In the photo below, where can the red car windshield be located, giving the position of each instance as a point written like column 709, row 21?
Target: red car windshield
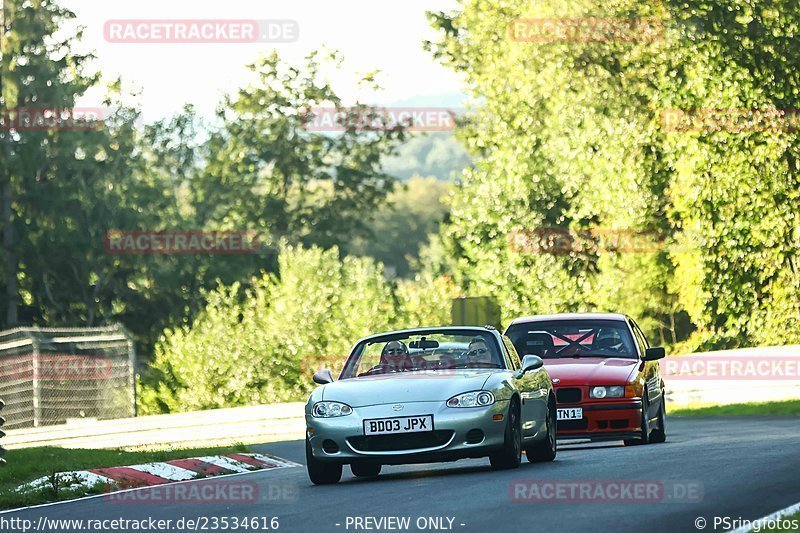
column 573, row 338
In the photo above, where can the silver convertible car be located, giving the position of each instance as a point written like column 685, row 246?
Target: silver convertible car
column 428, row 395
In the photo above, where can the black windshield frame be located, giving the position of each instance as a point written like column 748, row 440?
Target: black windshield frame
column 354, row 358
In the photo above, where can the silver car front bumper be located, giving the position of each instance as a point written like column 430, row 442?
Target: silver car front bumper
column 455, row 434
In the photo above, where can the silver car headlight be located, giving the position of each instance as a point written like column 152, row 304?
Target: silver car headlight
column 330, row 409
column 616, row 391
column 472, row 399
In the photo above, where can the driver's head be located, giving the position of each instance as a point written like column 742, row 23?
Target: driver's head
column 478, row 351
column 609, row 339
column 394, row 354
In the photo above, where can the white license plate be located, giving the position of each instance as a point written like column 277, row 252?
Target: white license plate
column 573, row 413
column 400, row 424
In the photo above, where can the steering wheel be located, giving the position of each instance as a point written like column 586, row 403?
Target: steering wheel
column 616, row 348
column 380, row 368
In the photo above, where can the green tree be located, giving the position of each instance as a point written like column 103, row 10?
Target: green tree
column 436, row 154
column 570, row 134
column 27, row 72
column 64, row 189
column 262, row 344
column 541, row 129
column 402, row 224
column 735, row 191
column 62, row 186
column 258, row 168
column 267, row 172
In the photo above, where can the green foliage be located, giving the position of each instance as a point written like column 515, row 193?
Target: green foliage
column 436, row 154
column 264, row 171
column 402, row 224
column 258, row 169
column 735, row 193
column 263, row 344
column 424, row 301
column 566, row 135
column 570, row 134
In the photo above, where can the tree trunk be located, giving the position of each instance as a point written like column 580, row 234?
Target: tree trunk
column 10, row 263
column 9, row 256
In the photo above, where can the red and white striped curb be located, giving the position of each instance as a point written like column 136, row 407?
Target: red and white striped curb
column 162, row 473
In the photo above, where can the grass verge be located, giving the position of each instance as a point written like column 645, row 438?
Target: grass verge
column 27, row 464
column 790, row 407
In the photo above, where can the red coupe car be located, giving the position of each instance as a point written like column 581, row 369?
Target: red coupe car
column 605, row 374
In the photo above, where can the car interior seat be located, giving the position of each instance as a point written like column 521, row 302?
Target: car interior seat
column 537, row 343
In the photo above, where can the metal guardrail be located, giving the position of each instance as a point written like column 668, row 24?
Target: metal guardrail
column 2, row 434
column 277, row 422
column 218, row 427
column 48, row 375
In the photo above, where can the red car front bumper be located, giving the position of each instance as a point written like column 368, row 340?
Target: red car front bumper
column 603, row 419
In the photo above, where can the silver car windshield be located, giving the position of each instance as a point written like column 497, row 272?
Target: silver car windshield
column 428, row 351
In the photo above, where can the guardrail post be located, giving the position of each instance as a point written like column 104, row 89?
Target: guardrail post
column 131, row 366
column 132, row 352
column 37, row 391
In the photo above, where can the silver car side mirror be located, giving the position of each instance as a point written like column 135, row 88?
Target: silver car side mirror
column 531, row 362
column 323, row 377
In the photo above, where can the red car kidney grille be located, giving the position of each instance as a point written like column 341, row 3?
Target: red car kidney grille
column 568, row 395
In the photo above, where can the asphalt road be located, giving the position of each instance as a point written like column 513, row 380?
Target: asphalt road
column 741, row 467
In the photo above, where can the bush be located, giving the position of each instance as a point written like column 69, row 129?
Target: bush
column 263, row 345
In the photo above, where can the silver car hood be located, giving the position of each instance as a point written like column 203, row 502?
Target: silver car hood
column 404, row 387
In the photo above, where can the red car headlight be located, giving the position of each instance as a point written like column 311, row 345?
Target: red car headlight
column 615, row 391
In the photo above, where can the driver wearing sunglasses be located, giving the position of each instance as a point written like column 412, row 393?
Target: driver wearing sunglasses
column 479, row 354
column 394, row 357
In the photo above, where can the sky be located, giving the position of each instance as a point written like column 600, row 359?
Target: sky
column 386, row 36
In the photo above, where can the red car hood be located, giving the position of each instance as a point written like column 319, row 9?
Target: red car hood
column 591, row 370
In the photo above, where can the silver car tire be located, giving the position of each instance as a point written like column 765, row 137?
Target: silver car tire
column 322, row 472
column 547, row 449
column 510, row 455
